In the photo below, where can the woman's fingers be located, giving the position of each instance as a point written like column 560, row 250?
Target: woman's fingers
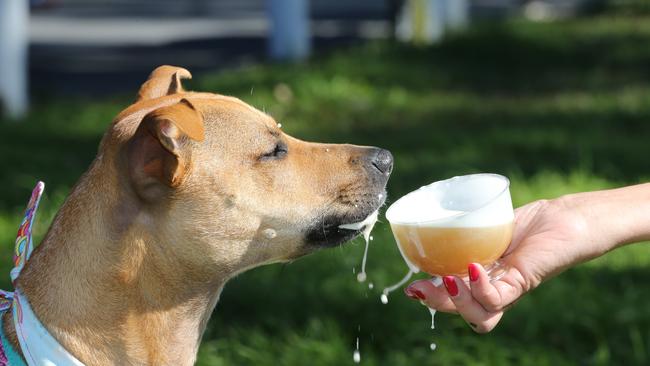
column 481, row 304
column 471, row 310
column 432, row 295
column 483, row 290
column 454, row 297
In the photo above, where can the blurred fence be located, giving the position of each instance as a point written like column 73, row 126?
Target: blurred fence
column 320, row 9
column 88, row 46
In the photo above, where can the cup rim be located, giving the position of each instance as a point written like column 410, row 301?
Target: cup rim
column 499, row 176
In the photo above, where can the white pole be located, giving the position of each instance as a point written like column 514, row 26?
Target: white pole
column 457, row 14
column 437, row 20
column 422, row 21
column 14, row 19
column 289, row 37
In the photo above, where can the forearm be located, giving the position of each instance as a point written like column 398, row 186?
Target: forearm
column 614, row 217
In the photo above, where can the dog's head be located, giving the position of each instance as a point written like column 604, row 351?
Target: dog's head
column 229, row 187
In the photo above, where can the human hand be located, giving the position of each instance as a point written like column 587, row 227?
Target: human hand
column 548, row 237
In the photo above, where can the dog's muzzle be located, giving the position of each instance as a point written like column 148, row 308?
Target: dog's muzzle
column 335, row 228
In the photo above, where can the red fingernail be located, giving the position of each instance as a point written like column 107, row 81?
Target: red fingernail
column 473, row 272
column 450, row 284
column 414, row 293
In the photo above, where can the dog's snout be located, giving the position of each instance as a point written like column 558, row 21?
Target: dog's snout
column 382, row 160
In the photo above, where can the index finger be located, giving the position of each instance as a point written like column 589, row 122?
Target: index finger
column 432, row 295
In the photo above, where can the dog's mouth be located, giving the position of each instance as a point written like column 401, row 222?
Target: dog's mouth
column 365, row 224
column 333, row 230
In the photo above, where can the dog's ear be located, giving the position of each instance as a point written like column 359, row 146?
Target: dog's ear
column 164, row 80
column 159, row 154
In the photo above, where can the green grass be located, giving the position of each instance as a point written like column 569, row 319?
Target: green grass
column 558, row 107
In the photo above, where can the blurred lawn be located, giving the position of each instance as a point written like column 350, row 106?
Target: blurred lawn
column 558, row 107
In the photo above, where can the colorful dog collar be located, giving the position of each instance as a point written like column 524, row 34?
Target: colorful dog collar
column 38, row 346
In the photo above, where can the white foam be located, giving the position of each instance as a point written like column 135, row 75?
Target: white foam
column 367, row 222
column 476, row 200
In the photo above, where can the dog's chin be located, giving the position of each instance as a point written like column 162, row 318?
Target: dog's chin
column 329, row 235
column 335, row 229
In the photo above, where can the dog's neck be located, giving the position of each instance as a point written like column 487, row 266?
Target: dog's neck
column 108, row 288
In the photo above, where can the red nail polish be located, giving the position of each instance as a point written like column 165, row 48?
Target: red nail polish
column 473, row 272
column 414, row 293
column 450, row 284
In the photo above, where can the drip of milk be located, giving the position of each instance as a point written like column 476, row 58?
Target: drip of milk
column 356, row 356
column 436, row 281
column 433, row 317
column 388, row 290
column 367, row 224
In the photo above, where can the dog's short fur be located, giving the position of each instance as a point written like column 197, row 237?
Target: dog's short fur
column 187, row 190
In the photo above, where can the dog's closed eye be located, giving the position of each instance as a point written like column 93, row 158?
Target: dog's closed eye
column 279, row 151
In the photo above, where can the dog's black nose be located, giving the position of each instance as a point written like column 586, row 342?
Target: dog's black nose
column 382, row 160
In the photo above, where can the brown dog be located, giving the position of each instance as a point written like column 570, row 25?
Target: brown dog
column 187, row 190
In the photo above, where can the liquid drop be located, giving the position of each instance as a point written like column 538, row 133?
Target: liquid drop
column 388, row 290
column 269, row 233
column 361, row 276
column 433, row 315
column 356, row 356
column 436, row 281
column 433, row 346
column 371, row 285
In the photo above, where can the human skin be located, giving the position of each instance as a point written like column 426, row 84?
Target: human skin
column 549, row 237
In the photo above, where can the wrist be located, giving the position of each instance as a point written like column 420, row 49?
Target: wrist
column 611, row 218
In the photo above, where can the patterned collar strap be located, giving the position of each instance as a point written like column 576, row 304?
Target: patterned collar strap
column 24, row 245
column 11, row 358
column 38, row 346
